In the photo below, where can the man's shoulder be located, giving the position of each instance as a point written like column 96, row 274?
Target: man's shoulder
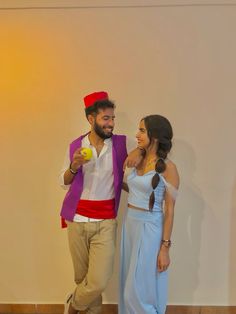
column 119, row 143
column 118, row 139
column 119, row 136
column 78, row 139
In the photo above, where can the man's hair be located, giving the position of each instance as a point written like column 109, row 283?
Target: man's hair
column 100, row 104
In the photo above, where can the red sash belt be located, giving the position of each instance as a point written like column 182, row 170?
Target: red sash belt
column 94, row 209
column 104, row 209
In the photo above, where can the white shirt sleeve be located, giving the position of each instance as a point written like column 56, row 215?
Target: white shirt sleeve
column 66, row 165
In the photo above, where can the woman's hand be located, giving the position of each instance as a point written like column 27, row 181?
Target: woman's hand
column 163, row 259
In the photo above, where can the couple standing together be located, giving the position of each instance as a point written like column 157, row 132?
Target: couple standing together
column 90, row 207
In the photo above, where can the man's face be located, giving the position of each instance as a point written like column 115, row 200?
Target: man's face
column 103, row 123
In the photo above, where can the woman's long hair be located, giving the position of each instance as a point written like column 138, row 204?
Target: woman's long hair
column 158, row 127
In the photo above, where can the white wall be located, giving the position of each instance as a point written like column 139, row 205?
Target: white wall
column 176, row 60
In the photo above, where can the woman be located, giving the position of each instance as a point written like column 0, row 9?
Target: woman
column 146, row 234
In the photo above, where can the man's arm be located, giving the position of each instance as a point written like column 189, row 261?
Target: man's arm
column 125, row 187
column 134, row 158
column 70, row 169
column 65, row 167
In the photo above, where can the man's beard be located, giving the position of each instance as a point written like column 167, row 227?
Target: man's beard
column 100, row 132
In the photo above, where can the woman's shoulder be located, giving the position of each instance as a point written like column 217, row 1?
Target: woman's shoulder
column 171, row 174
column 170, row 165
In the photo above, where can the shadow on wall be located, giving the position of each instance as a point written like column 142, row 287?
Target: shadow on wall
column 189, row 213
column 232, row 253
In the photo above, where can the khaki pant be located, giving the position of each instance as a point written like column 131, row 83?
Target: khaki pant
column 92, row 247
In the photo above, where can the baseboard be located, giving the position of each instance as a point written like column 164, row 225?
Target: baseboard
column 111, row 309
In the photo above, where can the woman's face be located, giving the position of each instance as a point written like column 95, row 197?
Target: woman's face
column 142, row 137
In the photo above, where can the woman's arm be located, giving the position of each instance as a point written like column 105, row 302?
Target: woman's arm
column 172, row 177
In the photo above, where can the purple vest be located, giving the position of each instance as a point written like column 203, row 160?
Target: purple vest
column 119, row 154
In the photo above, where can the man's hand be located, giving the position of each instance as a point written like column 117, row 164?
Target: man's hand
column 78, row 160
column 133, row 159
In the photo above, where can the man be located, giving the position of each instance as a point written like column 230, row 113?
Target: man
column 90, row 206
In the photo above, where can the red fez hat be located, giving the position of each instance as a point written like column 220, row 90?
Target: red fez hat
column 90, row 99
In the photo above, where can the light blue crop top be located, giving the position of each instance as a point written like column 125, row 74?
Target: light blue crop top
column 140, row 189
